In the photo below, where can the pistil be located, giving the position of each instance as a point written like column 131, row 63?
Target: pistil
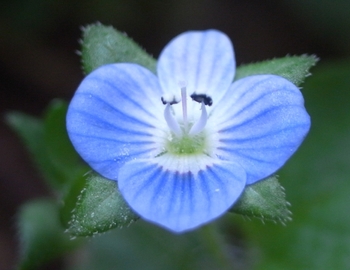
column 184, row 106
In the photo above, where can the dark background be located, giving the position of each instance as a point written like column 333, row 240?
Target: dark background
column 38, row 60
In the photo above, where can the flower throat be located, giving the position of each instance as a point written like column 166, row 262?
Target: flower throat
column 188, row 139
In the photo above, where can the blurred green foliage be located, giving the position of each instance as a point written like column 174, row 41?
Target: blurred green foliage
column 41, row 234
column 48, row 143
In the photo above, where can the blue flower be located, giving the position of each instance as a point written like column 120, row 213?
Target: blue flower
column 184, row 143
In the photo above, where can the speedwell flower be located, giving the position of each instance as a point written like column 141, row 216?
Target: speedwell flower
column 184, row 143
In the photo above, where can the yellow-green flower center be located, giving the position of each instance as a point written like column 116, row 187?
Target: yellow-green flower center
column 187, row 145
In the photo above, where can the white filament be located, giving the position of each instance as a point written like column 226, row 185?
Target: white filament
column 200, row 124
column 172, row 123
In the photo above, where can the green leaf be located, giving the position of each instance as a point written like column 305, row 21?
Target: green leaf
column 265, row 200
column 103, row 45
column 31, row 131
column 66, row 163
column 293, row 68
column 100, row 208
column 49, row 145
column 41, row 236
column 70, row 199
column 59, row 147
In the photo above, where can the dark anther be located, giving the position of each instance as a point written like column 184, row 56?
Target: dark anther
column 167, row 102
column 202, row 98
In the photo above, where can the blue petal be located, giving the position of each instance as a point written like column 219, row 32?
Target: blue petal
column 202, row 60
column 180, row 201
column 115, row 116
column 260, row 123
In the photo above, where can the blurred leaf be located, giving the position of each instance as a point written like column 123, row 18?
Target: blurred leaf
column 59, row 147
column 41, row 236
column 317, row 184
column 293, row 68
column 49, row 145
column 100, row 207
column 67, row 164
column 104, row 45
column 31, row 131
column 154, row 249
column 29, row 128
column 265, row 200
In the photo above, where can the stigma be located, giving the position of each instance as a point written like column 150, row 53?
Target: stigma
column 184, row 128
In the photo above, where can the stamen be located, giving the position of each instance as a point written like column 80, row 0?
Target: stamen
column 171, row 121
column 202, row 98
column 169, row 99
column 200, row 124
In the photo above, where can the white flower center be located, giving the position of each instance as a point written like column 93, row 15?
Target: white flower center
column 186, row 129
column 187, row 138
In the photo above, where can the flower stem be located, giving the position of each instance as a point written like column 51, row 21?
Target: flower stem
column 216, row 246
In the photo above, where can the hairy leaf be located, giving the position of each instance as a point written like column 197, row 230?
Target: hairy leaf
column 103, row 45
column 100, row 207
column 293, row 68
